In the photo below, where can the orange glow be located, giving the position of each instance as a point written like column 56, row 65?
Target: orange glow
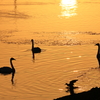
column 68, row 8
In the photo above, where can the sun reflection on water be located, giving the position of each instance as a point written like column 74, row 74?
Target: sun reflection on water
column 68, row 8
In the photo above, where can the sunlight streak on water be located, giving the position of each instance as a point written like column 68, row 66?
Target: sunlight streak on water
column 68, row 8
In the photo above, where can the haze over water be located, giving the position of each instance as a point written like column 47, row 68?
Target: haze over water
column 65, row 30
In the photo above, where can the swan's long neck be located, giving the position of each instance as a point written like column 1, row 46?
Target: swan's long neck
column 32, row 44
column 98, row 52
column 12, row 65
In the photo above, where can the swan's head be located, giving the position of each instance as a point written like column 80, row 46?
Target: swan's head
column 32, row 40
column 12, row 59
column 97, row 44
column 73, row 81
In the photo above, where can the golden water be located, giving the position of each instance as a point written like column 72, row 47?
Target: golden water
column 65, row 31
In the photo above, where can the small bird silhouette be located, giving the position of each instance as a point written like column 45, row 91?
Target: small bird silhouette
column 71, row 87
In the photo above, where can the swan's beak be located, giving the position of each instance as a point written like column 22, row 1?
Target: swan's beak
column 14, row 59
column 97, row 44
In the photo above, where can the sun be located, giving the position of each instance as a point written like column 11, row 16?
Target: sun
column 68, row 2
column 68, row 8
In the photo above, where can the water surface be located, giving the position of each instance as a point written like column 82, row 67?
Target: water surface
column 65, row 31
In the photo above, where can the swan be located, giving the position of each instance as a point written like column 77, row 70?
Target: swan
column 98, row 53
column 8, row 70
column 35, row 49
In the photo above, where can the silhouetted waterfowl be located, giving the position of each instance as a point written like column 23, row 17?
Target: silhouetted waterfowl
column 98, row 53
column 71, row 82
column 8, row 70
column 35, row 49
column 71, row 87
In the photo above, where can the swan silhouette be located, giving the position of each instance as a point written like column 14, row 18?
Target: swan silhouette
column 98, row 53
column 35, row 49
column 8, row 70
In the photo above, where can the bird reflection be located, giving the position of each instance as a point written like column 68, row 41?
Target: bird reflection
column 15, row 7
column 71, row 87
column 12, row 79
column 98, row 53
column 15, row 4
column 33, row 55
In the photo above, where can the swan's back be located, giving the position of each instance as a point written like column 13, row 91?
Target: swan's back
column 36, row 50
column 6, row 70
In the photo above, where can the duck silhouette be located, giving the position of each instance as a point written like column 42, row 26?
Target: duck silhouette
column 35, row 49
column 98, row 53
column 7, row 70
column 71, row 87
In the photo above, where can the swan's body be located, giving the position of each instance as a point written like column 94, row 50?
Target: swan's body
column 8, row 70
column 98, row 53
column 35, row 49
